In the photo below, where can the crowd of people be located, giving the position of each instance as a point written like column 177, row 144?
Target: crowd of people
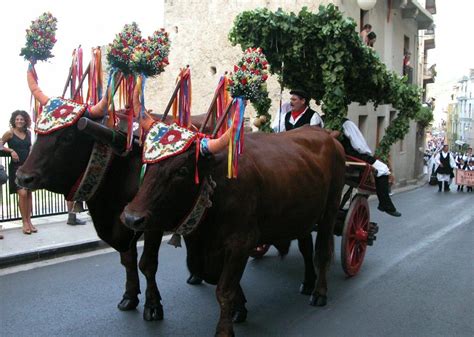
column 442, row 164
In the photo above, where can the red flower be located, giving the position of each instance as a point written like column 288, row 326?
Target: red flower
column 243, row 81
column 244, row 68
column 264, row 77
column 236, row 69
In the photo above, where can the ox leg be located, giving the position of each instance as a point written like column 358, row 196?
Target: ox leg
column 240, row 311
column 305, row 246
column 153, row 310
column 323, row 254
column 227, row 288
column 132, row 286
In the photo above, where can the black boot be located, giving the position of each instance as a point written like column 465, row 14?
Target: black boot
column 440, row 186
column 446, row 186
column 385, row 202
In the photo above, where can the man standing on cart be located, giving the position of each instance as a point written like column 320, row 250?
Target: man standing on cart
column 355, row 145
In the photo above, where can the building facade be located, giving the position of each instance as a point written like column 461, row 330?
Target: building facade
column 199, row 30
column 464, row 111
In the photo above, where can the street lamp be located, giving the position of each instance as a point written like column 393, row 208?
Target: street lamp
column 366, row 5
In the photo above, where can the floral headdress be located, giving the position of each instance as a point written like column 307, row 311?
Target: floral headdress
column 40, row 38
column 249, row 76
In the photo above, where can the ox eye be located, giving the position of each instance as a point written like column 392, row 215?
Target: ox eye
column 183, row 171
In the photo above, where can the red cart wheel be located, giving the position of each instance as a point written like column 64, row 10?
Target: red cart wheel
column 354, row 235
column 259, row 251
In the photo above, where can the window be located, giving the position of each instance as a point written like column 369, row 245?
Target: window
column 363, row 125
column 380, row 129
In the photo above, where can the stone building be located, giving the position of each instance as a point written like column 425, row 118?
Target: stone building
column 198, row 33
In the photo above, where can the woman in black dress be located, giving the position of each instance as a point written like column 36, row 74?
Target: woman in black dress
column 18, row 139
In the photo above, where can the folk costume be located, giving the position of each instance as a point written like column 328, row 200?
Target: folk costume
column 355, row 145
column 288, row 119
column 444, row 171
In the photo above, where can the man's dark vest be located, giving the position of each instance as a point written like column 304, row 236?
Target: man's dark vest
column 305, row 119
column 346, row 143
column 446, row 169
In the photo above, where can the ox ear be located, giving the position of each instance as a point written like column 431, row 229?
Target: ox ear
column 34, row 88
column 216, row 145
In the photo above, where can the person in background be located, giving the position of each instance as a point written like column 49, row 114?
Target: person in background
column 355, row 145
column 297, row 114
column 371, row 38
column 445, row 165
column 364, row 32
column 18, row 139
column 461, row 166
column 470, row 167
column 468, row 156
column 72, row 218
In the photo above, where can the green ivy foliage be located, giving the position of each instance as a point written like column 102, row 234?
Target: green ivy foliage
column 323, row 54
column 424, row 116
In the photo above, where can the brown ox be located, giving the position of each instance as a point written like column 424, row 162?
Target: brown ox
column 56, row 162
column 286, row 183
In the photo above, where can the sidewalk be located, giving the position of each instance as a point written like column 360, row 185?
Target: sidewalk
column 56, row 238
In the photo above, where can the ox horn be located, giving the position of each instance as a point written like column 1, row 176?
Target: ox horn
column 35, row 89
column 98, row 110
column 216, row 145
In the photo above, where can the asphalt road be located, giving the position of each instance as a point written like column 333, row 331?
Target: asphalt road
column 417, row 280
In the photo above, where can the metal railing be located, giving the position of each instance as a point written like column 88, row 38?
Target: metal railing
column 45, row 203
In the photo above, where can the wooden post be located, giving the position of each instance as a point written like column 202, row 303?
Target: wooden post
column 222, row 119
column 173, row 96
column 67, row 81
column 86, row 73
column 212, row 108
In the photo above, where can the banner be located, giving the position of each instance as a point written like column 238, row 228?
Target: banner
column 464, row 177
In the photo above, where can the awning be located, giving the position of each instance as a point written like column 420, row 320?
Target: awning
column 459, row 142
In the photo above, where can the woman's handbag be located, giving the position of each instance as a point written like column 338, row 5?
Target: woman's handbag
column 3, row 175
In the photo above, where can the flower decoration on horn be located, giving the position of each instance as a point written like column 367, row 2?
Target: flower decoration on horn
column 40, row 38
column 151, row 56
column 120, row 51
column 249, row 76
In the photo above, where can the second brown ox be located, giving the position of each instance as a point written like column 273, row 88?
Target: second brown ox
column 286, row 183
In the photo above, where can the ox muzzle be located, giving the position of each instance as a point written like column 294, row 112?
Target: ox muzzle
column 30, row 181
column 133, row 221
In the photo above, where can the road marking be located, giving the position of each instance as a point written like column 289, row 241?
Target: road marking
column 49, row 262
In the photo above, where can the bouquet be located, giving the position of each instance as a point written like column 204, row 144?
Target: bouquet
column 151, row 56
column 40, row 38
column 249, row 76
column 120, row 51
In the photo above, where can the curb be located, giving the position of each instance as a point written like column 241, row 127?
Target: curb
column 51, row 252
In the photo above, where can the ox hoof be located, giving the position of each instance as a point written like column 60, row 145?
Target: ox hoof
column 153, row 313
column 239, row 316
column 318, row 300
column 127, row 304
column 194, row 280
column 306, row 289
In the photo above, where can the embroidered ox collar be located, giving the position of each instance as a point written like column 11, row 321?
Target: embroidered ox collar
column 164, row 141
column 57, row 114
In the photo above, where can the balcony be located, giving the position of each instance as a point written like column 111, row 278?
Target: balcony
column 429, row 39
column 411, row 9
column 429, row 74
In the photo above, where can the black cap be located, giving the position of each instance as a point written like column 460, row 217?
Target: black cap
column 300, row 93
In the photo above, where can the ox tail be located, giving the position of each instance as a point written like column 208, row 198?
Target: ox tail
column 283, row 247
